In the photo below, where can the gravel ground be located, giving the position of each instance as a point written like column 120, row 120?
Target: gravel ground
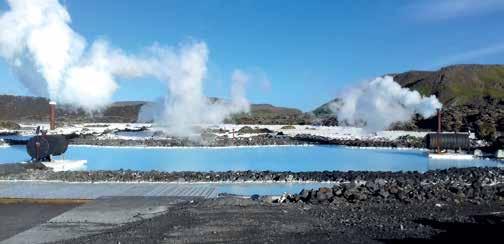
column 247, row 221
column 361, row 207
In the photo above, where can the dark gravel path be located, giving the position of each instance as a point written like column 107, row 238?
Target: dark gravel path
column 246, row 221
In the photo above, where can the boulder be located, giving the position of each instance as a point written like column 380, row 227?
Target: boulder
column 498, row 143
column 250, row 130
column 8, row 125
column 486, row 130
column 290, row 178
column 321, row 197
column 288, row 127
column 304, row 194
column 499, row 154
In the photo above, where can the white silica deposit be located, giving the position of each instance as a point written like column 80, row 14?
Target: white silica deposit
column 66, row 165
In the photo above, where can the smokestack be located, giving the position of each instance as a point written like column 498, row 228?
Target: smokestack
column 438, row 140
column 52, row 115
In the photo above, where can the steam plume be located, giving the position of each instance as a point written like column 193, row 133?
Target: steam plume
column 380, row 102
column 179, row 113
column 53, row 60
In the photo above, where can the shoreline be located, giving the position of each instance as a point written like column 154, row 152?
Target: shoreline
column 179, row 182
column 140, row 144
column 29, row 172
column 265, row 135
column 193, row 147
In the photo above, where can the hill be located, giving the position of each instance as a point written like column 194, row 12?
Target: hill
column 269, row 114
column 472, row 97
column 35, row 109
column 458, row 85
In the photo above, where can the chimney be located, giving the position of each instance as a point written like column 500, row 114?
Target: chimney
column 438, row 140
column 52, row 115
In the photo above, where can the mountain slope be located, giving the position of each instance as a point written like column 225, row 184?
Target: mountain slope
column 458, row 84
column 472, row 97
column 269, row 114
column 35, row 109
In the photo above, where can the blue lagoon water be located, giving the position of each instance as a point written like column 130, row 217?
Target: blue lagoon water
column 283, row 158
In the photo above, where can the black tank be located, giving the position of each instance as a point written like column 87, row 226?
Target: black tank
column 447, row 141
column 47, row 145
column 38, row 148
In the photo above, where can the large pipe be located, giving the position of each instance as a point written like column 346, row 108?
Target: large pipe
column 52, row 115
column 439, row 120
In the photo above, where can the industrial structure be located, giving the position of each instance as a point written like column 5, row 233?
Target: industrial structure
column 42, row 146
column 447, row 145
column 52, row 115
column 447, row 141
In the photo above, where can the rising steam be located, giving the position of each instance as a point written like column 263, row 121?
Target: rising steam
column 179, row 113
column 54, row 61
column 379, row 103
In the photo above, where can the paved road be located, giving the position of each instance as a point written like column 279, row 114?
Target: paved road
column 51, row 211
column 95, row 217
column 21, row 216
column 63, row 190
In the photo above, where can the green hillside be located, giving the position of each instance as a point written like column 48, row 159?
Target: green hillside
column 472, row 97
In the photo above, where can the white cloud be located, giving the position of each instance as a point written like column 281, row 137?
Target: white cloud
column 448, row 9
column 471, row 55
column 258, row 79
column 53, row 60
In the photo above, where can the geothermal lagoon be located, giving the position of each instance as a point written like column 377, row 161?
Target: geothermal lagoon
column 256, row 158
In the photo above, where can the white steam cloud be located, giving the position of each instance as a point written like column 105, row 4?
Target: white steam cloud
column 179, row 113
column 54, row 61
column 182, row 110
column 379, row 103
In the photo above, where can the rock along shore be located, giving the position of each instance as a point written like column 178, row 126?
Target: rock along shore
column 468, row 184
column 257, row 140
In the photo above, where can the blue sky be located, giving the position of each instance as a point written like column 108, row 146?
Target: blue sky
column 305, row 52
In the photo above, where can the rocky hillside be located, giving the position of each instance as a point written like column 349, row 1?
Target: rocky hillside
column 472, row 96
column 270, row 115
column 324, row 114
column 458, row 84
column 35, row 109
